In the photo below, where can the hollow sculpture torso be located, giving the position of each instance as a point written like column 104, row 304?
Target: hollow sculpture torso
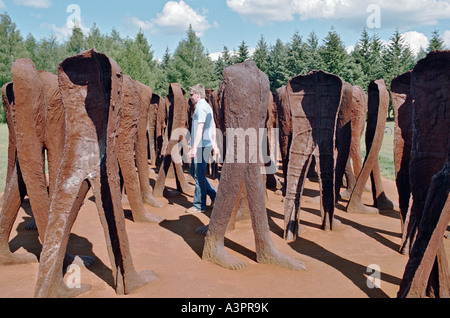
column 176, row 103
column 132, row 152
column 343, row 137
column 152, row 129
column 402, row 104
column 91, row 90
column 34, row 111
column 378, row 104
column 430, row 80
column 314, row 101
column 245, row 98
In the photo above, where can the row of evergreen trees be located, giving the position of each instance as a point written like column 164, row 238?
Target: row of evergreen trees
column 190, row 63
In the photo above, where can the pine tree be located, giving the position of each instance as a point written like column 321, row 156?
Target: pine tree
column 242, row 53
column 95, row 39
column 277, row 58
column 397, row 58
column 261, row 54
column 334, row 54
column 191, row 64
column 313, row 60
column 296, row 54
column 436, row 42
column 76, row 43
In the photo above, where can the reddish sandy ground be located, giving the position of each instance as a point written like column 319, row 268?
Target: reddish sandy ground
column 336, row 261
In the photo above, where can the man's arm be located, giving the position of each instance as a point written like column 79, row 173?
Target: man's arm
column 197, row 139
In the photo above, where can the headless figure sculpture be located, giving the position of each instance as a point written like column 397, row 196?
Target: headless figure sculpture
column 314, row 100
column 34, row 112
column 343, row 138
column 91, row 90
column 245, row 98
column 358, row 123
column 130, row 151
column 430, row 131
column 176, row 118
column 376, row 121
column 402, row 104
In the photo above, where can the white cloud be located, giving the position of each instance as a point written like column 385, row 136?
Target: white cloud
column 262, row 11
column 33, row 3
column 416, row 41
column 144, row 25
column 446, row 39
column 401, row 13
column 2, row 5
column 64, row 32
column 177, row 16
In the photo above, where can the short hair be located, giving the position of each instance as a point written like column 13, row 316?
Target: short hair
column 199, row 89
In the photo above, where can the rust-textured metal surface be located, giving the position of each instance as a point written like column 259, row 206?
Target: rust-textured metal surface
column 314, row 101
column 245, row 91
column 91, row 90
column 378, row 103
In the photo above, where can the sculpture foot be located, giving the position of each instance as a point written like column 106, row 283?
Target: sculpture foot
column 384, row 204
column 345, row 195
column 9, row 258
column 362, row 209
column 138, row 280
column 326, row 226
column 151, row 200
column 148, row 218
column 216, row 254
column 274, row 257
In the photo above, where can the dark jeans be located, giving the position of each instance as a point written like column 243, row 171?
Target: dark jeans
column 202, row 186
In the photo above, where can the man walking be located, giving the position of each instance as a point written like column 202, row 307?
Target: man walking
column 203, row 143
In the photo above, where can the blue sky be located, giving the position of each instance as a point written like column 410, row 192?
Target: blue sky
column 228, row 22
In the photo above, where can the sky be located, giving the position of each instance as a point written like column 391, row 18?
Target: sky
column 221, row 23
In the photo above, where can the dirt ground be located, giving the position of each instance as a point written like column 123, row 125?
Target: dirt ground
column 336, row 262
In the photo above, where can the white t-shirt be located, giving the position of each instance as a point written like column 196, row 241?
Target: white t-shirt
column 203, row 114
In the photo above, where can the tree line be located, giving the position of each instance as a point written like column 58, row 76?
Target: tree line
column 190, row 63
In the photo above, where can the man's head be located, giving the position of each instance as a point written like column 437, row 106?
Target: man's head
column 197, row 93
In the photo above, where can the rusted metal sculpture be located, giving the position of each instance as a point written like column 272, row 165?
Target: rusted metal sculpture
column 314, row 100
column 245, row 97
column 132, row 152
column 430, row 131
column 34, row 112
column 378, row 104
column 402, row 104
column 358, row 123
column 141, row 150
column 343, row 137
column 91, row 90
column 285, row 129
column 15, row 189
column 176, row 103
column 427, row 273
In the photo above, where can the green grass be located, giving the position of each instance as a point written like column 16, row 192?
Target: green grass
column 386, row 155
column 3, row 154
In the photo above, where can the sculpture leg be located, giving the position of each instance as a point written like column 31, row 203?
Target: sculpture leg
column 12, row 199
column 64, row 211
column 111, row 215
column 379, row 196
column 297, row 171
column 127, row 165
column 214, row 249
column 266, row 253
